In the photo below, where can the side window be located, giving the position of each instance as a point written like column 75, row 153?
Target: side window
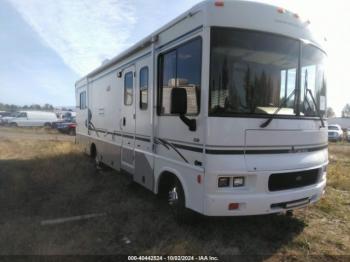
column 144, row 88
column 82, row 100
column 23, row 114
column 128, row 88
column 180, row 68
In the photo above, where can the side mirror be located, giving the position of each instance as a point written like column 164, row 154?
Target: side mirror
column 178, row 101
column 178, row 106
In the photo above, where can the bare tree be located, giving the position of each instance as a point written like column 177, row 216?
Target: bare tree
column 346, row 111
column 330, row 112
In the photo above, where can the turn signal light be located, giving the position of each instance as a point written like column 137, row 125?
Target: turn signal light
column 223, row 181
column 281, row 10
column 199, row 179
column 219, row 3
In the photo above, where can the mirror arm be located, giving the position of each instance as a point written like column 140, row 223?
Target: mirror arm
column 191, row 123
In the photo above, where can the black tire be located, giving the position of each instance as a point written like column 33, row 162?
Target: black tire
column 13, row 124
column 48, row 125
column 94, row 156
column 176, row 201
column 93, row 151
column 289, row 213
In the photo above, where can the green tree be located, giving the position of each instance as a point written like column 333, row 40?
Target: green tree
column 47, row 107
column 35, row 107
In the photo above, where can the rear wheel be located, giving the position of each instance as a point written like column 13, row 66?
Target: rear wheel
column 93, row 151
column 47, row 125
column 13, row 124
column 94, row 155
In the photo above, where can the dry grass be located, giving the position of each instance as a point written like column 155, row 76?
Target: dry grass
column 49, row 179
column 29, row 130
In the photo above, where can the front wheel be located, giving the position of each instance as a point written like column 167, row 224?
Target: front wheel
column 176, row 200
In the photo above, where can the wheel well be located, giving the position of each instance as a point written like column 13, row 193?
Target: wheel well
column 93, row 151
column 166, row 180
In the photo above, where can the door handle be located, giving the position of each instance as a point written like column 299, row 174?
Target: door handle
column 124, row 121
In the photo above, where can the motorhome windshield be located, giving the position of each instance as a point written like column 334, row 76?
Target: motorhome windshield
column 253, row 73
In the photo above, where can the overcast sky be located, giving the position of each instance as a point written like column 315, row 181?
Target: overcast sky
column 46, row 45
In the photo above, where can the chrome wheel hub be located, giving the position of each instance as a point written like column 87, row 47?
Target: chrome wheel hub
column 173, row 197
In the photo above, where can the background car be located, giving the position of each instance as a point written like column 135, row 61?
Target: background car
column 4, row 120
column 4, row 113
column 63, row 119
column 67, row 127
column 348, row 134
column 335, row 133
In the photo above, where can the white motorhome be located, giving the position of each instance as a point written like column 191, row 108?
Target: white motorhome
column 33, row 119
column 220, row 111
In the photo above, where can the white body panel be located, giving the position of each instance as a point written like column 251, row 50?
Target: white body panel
column 147, row 145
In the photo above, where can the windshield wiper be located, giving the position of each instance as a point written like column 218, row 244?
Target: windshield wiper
column 268, row 121
column 314, row 101
column 312, row 98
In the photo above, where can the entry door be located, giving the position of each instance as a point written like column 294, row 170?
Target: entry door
column 128, row 121
column 82, row 111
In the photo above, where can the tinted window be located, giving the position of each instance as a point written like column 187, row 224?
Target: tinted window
column 128, row 88
column 181, row 68
column 3, row 114
column 23, row 114
column 144, row 88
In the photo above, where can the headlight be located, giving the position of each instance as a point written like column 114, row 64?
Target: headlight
column 223, row 181
column 238, row 181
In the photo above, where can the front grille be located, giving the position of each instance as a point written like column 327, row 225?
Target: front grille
column 282, row 181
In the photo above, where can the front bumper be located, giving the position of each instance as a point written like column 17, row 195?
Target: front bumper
column 263, row 203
